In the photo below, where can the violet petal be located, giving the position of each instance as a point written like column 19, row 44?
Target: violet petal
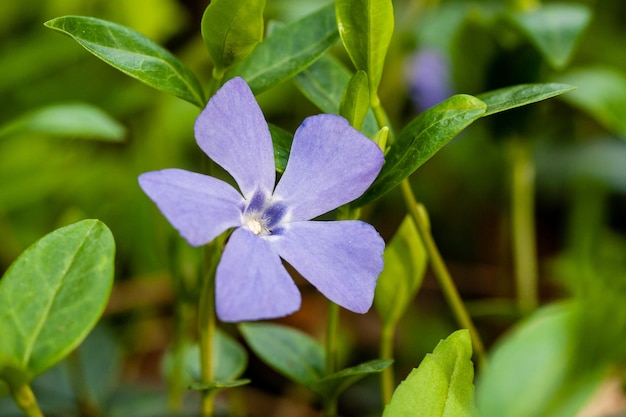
column 233, row 132
column 342, row 259
column 251, row 281
column 330, row 164
column 198, row 206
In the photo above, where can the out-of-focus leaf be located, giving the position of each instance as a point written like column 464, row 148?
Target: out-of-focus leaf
column 421, row 139
column 535, row 371
column 601, row 93
column 282, row 146
column 554, row 29
column 53, row 295
column 355, row 101
column 133, row 54
column 231, row 29
column 332, row 385
column 405, row 264
column 366, row 27
column 71, row 120
column 289, row 351
column 520, row 95
column 442, row 386
column 288, row 50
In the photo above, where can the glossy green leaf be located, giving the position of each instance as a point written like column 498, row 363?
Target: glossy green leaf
column 288, row 50
column 534, row 370
column 601, row 93
column 421, row 139
column 365, row 28
column 70, row 120
column 54, row 293
column 332, row 385
column 355, row 101
column 554, row 29
column 324, row 82
column 133, row 54
column 281, row 140
column 291, row 352
column 231, row 29
column 405, row 264
column 442, row 386
column 520, row 95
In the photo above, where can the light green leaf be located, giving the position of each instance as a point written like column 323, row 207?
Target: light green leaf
column 405, row 264
column 442, row 386
column 231, row 29
column 365, row 28
column 288, row 50
column 520, row 95
column 291, row 352
column 554, row 29
column 534, row 370
column 71, row 120
column 332, row 386
column 421, row 139
column 355, row 101
column 54, row 293
column 601, row 93
column 324, row 82
column 133, row 54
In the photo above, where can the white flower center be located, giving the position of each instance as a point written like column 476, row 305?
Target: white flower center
column 256, row 225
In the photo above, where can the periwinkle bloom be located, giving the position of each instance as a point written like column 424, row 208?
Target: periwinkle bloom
column 428, row 75
column 330, row 165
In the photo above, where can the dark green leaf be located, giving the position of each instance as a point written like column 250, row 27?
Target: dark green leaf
column 366, row 27
column 54, row 293
column 355, row 101
column 421, row 139
column 71, row 120
column 324, row 82
column 282, row 146
column 535, row 371
column 133, row 54
column 405, row 264
column 332, row 385
column 554, row 29
column 442, row 386
column 231, row 29
column 291, row 352
column 288, row 50
column 519, row 95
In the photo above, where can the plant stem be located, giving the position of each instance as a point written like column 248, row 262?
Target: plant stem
column 418, row 213
column 387, row 377
column 523, row 225
column 332, row 326
column 381, row 116
column 25, row 400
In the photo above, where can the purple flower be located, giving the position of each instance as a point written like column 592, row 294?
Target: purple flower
column 330, row 165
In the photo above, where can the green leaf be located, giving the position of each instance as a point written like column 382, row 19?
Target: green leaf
column 133, row 54
column 405, row 264
column 442, row 386
column 554, row 29
column 324, row 82
column 332, row 385
column 365, row 28
column 355, row 101
column 218, row 385
column 54, row 293
column 601, row 93
column 520, row 95
column 231, row 29
column 421, row 139
column 291, row 352
column 281, row 140
column 288, row 50
column 535, row 370
column 71, row 120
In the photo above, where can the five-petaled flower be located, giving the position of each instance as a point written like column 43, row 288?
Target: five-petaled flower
column 330, row 165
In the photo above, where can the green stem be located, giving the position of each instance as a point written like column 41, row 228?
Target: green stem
column 381, row 116
column 216, row 80
column 25, row 400
column 523, row 225
column 441, row 272
column 332, row 327
column 387, row 377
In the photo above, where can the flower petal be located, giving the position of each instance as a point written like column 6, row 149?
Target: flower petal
column 342, row 259
column 198, row 206
column 330, row 164
column 251, row 282
column 232, row 131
